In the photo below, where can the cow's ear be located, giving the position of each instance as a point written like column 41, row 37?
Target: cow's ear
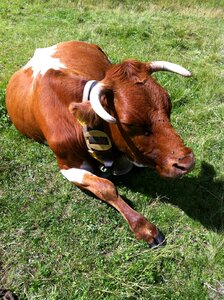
column 84, row 113
column 107, row 100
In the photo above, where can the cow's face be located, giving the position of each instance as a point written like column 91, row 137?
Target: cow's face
column 137, row 114
column 143, row 130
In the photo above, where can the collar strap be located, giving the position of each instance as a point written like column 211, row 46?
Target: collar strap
column 97, row 141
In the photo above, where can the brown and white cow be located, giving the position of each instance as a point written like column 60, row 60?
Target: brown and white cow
column 93, row 113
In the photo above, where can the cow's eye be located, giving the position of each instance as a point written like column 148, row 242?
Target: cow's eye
column 138, row 129
column 147, row 131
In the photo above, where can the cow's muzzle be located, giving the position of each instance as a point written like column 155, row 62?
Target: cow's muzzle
column 177, row 167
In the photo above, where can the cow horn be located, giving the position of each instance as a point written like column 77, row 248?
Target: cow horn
column 97, row 106
column 156, row 66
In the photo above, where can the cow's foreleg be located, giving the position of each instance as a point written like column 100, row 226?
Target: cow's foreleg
column 106, row 191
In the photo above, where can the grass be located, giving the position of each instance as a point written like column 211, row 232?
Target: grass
column 60, row 243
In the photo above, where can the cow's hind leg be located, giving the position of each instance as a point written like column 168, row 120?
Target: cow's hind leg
column 106, row 191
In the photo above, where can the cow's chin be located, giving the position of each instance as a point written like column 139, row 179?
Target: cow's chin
column 171, row 173
column 177, row 167
column 171, row 169
column 164, row 173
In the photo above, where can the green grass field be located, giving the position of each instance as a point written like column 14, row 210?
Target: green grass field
column 57, row 242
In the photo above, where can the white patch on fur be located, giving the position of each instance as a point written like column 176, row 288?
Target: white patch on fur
column 75, row 175
column 42, row 61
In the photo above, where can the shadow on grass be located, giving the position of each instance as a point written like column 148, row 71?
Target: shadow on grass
column 201, row 197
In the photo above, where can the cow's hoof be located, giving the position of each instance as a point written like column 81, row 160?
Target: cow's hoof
column 158, row 241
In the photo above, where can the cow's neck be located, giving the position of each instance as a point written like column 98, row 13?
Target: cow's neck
column 99, row 144
column 97, row 141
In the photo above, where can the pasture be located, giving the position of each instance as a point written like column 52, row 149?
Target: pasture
column 57, row 242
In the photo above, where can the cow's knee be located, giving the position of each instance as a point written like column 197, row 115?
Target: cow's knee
column 101, row 187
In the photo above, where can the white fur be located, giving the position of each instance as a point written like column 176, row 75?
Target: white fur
column 42, row 61
column 75, row 175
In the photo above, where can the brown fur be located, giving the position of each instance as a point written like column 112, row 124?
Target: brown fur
column 50, row 108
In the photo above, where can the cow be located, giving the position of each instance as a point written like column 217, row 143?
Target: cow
column 100, row 119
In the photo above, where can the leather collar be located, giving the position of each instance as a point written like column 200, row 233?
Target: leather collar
column 98, row 143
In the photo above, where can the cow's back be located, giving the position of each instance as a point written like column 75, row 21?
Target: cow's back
column 25, row 100
column 88, row 60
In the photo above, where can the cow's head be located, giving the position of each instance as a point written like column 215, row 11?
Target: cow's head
column 137, row 110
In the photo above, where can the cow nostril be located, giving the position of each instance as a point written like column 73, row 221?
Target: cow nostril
column 182, row 168
column 184, row 163
column 182, row 158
